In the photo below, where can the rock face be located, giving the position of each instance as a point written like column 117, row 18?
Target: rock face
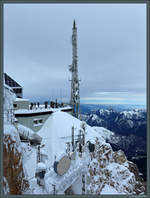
column 111, row 170
column 138, row 187
column 69, row 191
column 13, row 168
column 14, row 181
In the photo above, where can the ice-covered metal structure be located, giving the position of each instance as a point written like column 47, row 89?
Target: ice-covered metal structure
column 75, row 94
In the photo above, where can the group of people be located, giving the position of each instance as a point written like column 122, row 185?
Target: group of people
column 34, row 105
column 53, row 104
column 47, row 104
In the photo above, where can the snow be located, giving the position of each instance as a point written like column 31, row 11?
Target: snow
column 35, row 188
column 29, row 158
column 132, row 113
column 57, row 131
column 121, row 174
column 109, row 190
column 39, row 124
column 24, row 131
column 55, row 135
column 43, row 152
column 105, row 133
column 13, row 132
column 21, row 99
column 94, row 117
column 9, row 97
column 6, row 189
column 9, row 128
column 77, row 168
column 41, row 166
column 39, row 110
column 102, row 111
column 130, row 122
column 77, row 186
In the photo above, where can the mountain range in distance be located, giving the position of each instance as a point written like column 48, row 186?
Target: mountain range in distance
column 129, row 125
column 87, row 108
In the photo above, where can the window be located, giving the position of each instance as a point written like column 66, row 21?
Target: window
column 15, row 105
column 41, row 121
column 37, row 122
column 17, row 90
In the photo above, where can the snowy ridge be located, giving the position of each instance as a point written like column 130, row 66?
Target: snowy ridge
column 105, row 133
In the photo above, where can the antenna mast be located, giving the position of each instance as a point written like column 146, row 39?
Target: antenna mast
column 75, row 94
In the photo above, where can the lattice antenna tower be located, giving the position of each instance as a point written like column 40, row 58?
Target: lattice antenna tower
column 75, row 93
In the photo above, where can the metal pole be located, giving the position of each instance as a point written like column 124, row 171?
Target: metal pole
column 54, row 189
column 72, row 138
column 83, row 184
column 38, row 155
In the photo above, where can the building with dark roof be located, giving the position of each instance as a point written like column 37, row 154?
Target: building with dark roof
column 18, row 90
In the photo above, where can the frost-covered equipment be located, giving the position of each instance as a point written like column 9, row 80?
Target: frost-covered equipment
column 38, row 154
column 62, row 166
column 83, row 126
column 75, row 95
column 35, row 139
column 91, row 146
column 54, row 187
column 83, row 184
column 40, row 173
column 43, row 156
column 68, row 148
column 73, row 146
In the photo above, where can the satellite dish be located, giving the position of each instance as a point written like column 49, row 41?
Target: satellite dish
column 62, row 166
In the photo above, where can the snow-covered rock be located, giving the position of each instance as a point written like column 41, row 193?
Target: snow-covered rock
column 110, row 171
column 14, row 178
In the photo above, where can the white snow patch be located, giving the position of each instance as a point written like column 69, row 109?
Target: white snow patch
column 109, row 190
column 105, row 133
column 6, row 189
column 21, row 99
column 41, row 166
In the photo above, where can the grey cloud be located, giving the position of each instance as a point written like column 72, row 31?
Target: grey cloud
column 111, row 47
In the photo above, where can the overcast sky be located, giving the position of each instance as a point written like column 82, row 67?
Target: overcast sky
column 111, row 50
